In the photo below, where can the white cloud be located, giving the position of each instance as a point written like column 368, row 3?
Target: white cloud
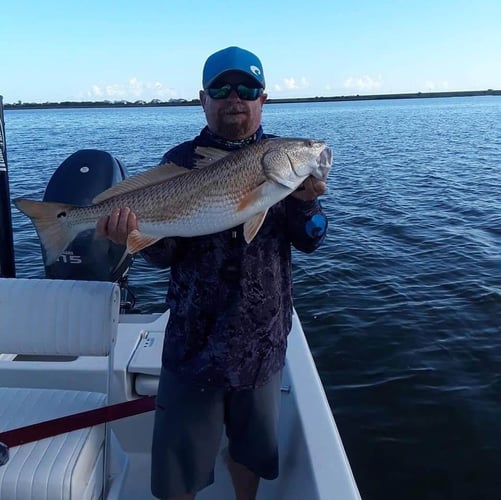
column 363, row 83
column 429, row 85
column 134, row 89
column 291, row 83
column 115, row 91
column 96, row 91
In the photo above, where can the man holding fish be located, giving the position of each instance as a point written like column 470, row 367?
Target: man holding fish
column 222, row 211
column 230, row 306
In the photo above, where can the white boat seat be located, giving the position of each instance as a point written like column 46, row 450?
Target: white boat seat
column 61, row 467
column 62, row 318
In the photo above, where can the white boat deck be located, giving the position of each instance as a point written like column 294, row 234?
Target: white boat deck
column 313, row 464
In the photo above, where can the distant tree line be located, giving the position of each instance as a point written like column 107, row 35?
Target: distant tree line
column 196, row 102
column 101, row 104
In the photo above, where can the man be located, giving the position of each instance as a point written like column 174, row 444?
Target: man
column 230, row 308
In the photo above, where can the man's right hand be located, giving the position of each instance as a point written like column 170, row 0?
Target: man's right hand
column 117, row 226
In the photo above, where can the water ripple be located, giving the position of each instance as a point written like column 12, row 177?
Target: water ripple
column 401, row 305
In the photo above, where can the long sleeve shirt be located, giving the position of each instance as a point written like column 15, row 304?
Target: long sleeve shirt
column 231, row 302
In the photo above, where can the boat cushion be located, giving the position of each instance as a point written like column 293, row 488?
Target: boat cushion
column 67, row 466
column 56, row 317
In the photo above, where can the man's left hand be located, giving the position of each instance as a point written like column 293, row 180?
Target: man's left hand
column 310, row 189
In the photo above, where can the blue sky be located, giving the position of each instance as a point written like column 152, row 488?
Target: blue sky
column 111, row 50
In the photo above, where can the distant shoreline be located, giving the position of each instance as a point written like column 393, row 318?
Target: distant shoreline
column 196, row 102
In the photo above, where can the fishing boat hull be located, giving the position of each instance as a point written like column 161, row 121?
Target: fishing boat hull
column 313, row 463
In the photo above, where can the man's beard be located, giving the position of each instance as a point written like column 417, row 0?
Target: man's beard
column 234, row 126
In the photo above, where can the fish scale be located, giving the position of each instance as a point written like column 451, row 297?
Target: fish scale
column 224, row 190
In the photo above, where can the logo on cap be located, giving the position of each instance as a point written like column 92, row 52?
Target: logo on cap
column 255, row 70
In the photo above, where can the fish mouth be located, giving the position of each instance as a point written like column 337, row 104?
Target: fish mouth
column 324, row 162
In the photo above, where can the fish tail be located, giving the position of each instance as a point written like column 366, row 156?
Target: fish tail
column 50, row 221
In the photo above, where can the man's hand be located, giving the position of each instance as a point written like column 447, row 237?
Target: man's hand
column 310, row 189
column 117, row 226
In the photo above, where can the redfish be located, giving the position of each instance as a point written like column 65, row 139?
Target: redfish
column 224, row 190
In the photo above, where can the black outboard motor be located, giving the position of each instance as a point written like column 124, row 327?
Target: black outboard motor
column 81, row 177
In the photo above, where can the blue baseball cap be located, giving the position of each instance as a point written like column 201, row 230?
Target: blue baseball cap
column 232, row 59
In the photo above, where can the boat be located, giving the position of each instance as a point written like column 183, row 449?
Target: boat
column 79, row 373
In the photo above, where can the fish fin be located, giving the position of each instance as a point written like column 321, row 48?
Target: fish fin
column 151, row 177
column 262, row 191
column 49, row 220
column 136, row 241
column 253, row 225
column 284, row 182
column 253, row 196
column 209, row 156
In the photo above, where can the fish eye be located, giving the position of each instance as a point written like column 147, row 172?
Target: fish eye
column 61, row 214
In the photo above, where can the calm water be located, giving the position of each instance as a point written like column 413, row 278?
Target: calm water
column 401, row 305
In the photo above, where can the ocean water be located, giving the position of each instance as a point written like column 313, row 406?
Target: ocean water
column 401, row 305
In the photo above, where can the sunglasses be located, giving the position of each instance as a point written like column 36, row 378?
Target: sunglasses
column 244, row 92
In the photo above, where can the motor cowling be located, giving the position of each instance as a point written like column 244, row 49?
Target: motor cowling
column 81, row 177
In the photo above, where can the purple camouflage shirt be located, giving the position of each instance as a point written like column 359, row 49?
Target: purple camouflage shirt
column 231, row 302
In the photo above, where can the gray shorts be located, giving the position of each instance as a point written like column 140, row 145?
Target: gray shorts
column 189, row 424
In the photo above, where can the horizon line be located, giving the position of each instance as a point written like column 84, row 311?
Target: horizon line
column 185, row 102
